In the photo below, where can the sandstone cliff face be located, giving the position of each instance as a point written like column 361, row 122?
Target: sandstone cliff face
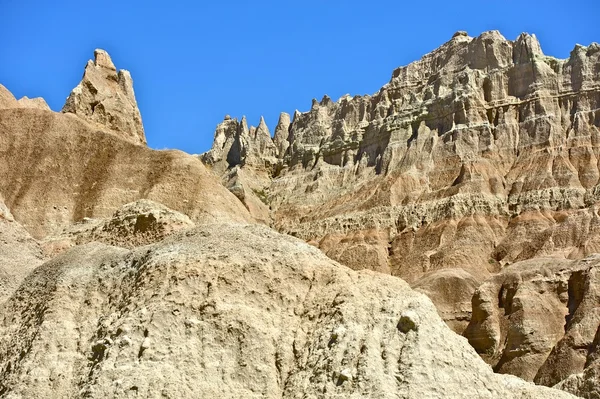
column 175, row 319
column 479, row 155
column 105, row 98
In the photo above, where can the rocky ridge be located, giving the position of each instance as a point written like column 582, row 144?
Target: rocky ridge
column 162, row 310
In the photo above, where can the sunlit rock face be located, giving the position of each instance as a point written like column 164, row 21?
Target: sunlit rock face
column 481, row 154
column 106, row 98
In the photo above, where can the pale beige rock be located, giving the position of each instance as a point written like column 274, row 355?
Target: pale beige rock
column 105, row 98
column 451, row 291
column 479, row 155
column 231, row 311
column 135, row 224
column 7, row 100
column 37, row 102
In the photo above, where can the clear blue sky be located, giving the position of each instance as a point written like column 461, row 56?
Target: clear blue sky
column 195, row 61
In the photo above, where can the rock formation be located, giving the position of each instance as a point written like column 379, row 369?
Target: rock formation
column 105, row 98
column 136, row 224
column 479, row 155
column 537, row 319
column 175, row 319
column 57, row 169
column 7, row 100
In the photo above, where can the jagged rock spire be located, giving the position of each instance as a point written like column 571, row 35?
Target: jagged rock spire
column 106, row 98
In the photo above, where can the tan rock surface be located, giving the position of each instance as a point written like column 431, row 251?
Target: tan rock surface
column 135, row 224
column 57, row 169
column 537, row 319
column 451, row 291
column 175, row 319
column 105, row 98
column 19, row 253
column 458, row 161
column 481, row 154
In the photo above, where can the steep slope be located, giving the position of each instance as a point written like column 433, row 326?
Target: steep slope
column 231, row 311
column 57, row 169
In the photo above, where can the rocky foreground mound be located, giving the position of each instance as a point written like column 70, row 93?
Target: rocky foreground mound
column 231, row 311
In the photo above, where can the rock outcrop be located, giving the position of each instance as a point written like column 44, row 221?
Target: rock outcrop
column 175, row 319
column 136, row 224
column 7, row 100
column 105, row 98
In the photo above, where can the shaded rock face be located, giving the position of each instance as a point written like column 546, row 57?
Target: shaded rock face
column 57, row 169
column 586, row 384
column 479, row 155
column 102, row 321
column 235, row 146
column 105, row 98
column 537, row 319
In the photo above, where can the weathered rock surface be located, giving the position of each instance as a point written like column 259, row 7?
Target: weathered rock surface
column 231, row 311
column 451, row 291
column 235, row 145
column 537, row 319
column 135, row 224
column 105, row 98
column 481, row 154
column 57, row 170
column 19, row 253
column 7, row 100
column 586, row 384
column 459, row 160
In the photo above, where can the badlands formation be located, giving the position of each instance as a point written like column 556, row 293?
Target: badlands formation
column 438, row 239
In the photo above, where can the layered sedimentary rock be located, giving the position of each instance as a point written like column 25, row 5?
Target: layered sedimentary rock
column 537, row 319
column 175, row 319
column 235, row 146
column 481, row 154
column 105, row 98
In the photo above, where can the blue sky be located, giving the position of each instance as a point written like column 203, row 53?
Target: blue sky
column 195, row 61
